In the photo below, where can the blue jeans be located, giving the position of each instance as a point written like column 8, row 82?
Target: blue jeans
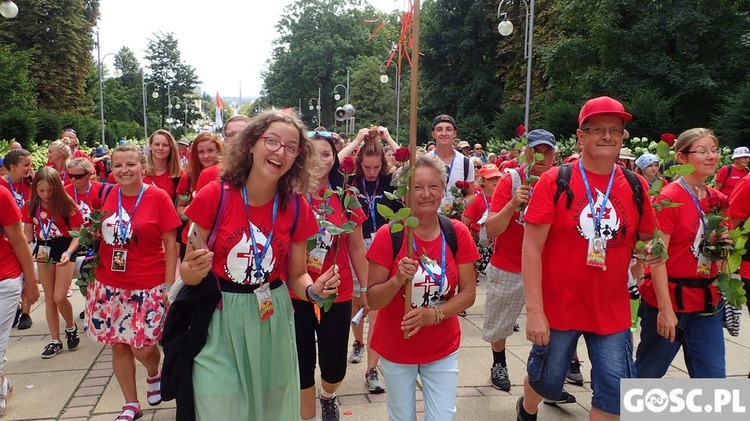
column 439, row 385
column 611, row 359
column 702, row 345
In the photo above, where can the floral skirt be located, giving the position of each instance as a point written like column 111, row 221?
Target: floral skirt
column 124, row 316
column 484, row 257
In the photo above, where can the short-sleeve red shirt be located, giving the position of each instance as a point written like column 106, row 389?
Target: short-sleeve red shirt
column 508, row 245
column 9, row 215
column 739, row 208
column 20, row 191
column 476, row 209
column 58, row 227
column 730, row 180
column 207, row 175
column 87, row 200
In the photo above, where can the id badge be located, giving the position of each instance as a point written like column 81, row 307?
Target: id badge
column 315, row 259
column 704, row 265
column 119, row 260
column 43, row 254
column 597, row 253
column 265, row 303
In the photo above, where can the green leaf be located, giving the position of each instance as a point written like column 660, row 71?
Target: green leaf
column 656, row 187
column 390, row 195
column 325, row 209
column 396, row 227
column 351, row 202
column 75, row 234
column 640, row 245
column 683, row 170
column 538, row 157
column 327, row 193
column 733, row 262
column 349, row 226
column 662, row 150
column 385, row 211
column 402, row 213
column 411, row 222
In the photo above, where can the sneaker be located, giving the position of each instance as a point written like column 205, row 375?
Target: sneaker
column 329, row 409
column 574, row 375
column 51, row 349
column 516, row 327
column 24, row 322
column 373, row 382
column 72, row 339
column 565, row 397
column 18, row 316
column 82, row 315
column 358, row 350
column 462, row 314
column 499, row 377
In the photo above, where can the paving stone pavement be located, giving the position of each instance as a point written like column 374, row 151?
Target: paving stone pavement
column 80, row 385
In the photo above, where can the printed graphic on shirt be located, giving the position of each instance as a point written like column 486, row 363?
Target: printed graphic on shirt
column 427, row 290
column 85, row 212
column 54, row 231
column 240, row 266
column 18, row 197
column 697, row 247
column 112, row 230
column 612, row 228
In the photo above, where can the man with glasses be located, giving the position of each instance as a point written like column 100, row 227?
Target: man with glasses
column 479, row 153
column 589, row 226
column 458, row 165
column 233, row 129
column 75, row 150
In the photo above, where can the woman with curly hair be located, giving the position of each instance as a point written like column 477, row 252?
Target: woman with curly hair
column 50, row 215
column 248, row 367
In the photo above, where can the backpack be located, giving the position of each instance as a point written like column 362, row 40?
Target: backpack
column 397, row 238
column 563, row 186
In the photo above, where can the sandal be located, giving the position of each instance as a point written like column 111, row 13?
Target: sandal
column 153, row 392
column 5, row 390
column 130, row 412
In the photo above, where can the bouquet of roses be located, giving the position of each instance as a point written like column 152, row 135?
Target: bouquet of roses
column 729, row 253
column 88, row 236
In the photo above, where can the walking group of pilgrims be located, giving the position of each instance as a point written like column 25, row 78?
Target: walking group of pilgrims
column 231, row 267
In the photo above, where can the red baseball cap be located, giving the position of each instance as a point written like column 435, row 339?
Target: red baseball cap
column 600, row 106
column 490, row 171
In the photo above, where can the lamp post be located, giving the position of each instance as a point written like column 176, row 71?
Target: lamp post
column 169, row 108
column 101, row 82
column 347, row 110
column 384, row 79
column 8, row 9
column 505, row 28
column 317, row 104
column 155, row 95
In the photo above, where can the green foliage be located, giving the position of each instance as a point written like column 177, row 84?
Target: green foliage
column 16, row 86
column 505, row 123
column 732, row 122
column 560, row 118
column 18, row 124
column 48, row 125
column 652, row 113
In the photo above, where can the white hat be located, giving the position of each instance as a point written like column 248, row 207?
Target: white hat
column 741, row 152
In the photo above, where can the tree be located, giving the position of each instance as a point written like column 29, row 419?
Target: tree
column 16, row 87
column 733, row 122
column 58, row 37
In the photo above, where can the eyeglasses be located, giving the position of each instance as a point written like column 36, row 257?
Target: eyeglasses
column 704, row 152
column 319, row 134
column 78, row 176
column 478, row 149
column 477, row 167
column 600, row 131
column 274, row 145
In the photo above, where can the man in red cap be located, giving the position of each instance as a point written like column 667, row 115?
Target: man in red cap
column 577, row 246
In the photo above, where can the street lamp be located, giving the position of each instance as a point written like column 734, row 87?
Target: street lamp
column 505, row 28
column 317, row 104
column 169, row 107
column 8, row 9
column 101, row 80
column 155, row 95
column 384, row 79
column 345, row 113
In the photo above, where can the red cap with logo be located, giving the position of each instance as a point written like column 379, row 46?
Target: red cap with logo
column 600, row 106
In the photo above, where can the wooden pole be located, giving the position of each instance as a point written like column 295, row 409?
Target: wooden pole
column 412, row 139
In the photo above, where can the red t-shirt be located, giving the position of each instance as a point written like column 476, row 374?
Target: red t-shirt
column 508, row 245
column 86, row 200
column 111, row 178
column 183, row 189
column 207, row 175
column 728, row 183
column 101, row 170
column 476, row 209
column 233, row 258
column 164, row 182
column 328, row 241
column 577, row 296
column 432, row 342
column 10, row 267
column 509, row 164
column 144, row 262
column 739, row 208
column 58, row 228
column 81, row 154
column 20, row 191
column 684, row 225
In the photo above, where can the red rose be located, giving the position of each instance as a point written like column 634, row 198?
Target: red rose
column 520, row 130
column 714, row 202
column 346, row 166
column 462, row 185
column 402, row 154
column 724, row 204
column 668, row 138
column 96, row 203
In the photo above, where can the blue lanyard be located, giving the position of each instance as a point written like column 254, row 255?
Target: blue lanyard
column 321, row 229
column 450, row 170
column 258, row 257
column 371, row 201
column 486, row 203
column 43, row 230
column 597, row 218
column 697, row 206
column 123, row 226
column 19, row 202
column 442, row 261
column 75, row 190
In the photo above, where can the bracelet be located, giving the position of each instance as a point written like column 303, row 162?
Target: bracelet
column 363, row 289
column 165, row 287
column 439, row 316
column 315, row 297
column 68, row 253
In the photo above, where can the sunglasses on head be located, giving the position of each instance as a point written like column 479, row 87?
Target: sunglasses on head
column 319, row 134
column 70, row 130
column 78, row 176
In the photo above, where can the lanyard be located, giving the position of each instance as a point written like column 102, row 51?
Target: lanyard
column 258, row 257
column 85, row 197
column 697, row 206
column 597, row 218
column 450, row 170
column 486, row 203
column 123, row 226
column 18, row 197
column 441, row 280
column 371, row 200
column 43, row 230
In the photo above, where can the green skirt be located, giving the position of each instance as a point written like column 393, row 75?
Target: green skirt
column 248, row 369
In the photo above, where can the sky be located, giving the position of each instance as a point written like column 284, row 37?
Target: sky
column 228, row 42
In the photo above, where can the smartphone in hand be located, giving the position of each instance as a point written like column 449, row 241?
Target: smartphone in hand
column 195, row 238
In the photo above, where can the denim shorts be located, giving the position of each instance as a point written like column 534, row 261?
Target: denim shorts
column 611, row 359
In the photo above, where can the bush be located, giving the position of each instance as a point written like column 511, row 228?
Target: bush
column 504, row 126
column 733, row 122
column 89, row 129
column 652, row 114
column 560, row 118
column 48, row 125
column 18, row 124
column 117, row 130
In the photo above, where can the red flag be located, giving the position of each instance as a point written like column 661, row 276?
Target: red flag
column 219, row 108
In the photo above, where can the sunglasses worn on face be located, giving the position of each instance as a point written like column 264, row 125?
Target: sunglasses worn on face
column 319, row 134
column 78, row 176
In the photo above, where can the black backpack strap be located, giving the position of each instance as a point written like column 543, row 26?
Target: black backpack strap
column 635, row 185
column 563, row 184
column 467, row 162
column 397, row 238
column 729, row 172
column 446, row 226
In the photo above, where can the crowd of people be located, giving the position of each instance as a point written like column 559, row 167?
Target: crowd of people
column 286, row 226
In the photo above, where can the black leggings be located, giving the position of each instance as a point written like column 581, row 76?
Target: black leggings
column 333, row 341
